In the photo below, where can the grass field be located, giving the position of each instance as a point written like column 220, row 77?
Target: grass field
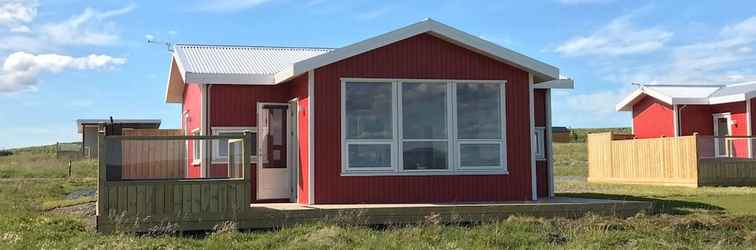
column 706, row 218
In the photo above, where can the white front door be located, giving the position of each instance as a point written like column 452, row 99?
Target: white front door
column 721, row 129
column 273, row 172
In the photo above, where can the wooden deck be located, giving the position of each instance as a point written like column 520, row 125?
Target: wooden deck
column 276, row 215
column 201, row 204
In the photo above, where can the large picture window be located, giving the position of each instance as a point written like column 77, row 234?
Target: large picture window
column 392, row 126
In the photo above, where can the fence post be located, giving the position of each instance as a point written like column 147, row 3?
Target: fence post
column 246, row 167
column 102, row 176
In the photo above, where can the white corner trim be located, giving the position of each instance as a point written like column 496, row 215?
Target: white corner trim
column 204, row 102
column 549, row 144
column 531, row 106
column 676, row 120
column 748, row 127
column 311, row 137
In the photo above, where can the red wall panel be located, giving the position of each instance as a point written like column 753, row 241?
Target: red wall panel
column 420, row 57
column 236, row 106
column 739, row 127
column 192, row 106
column 695, row 119
column 540, row 118
column 652, row 118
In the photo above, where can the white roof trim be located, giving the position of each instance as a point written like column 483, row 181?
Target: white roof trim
column 647, row 90
column 428, row 25
column 556, row 84
column 547, row 74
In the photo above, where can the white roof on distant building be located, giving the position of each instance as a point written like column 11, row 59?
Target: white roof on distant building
column 216, row 64
column 84, row 122
column 677, row 94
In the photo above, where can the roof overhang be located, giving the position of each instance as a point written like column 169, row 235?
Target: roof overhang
column 634, row 97
column 542, row 71
column 556, row 84
column 547, row 76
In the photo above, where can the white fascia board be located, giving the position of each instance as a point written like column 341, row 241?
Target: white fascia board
column 439, row 29
column 626, row 104
column 727, row 99
column 556, row 84
column 244, row 79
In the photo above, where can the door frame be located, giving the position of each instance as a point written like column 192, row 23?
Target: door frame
column 259, row 163
column 715, row 132
column 293, row 148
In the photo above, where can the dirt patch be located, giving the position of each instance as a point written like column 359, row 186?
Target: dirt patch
column 82, row 192
column 84, row 210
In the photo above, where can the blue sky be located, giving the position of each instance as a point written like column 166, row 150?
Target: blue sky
column 69, row 59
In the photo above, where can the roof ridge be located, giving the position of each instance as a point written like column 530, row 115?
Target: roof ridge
column 251, row 46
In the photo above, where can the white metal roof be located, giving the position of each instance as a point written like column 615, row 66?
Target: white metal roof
column 237, row 64
column 674, row 94
column 214, row 64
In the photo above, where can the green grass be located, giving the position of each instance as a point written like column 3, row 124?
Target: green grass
column 570, row 159
column 685, row 218
column 43, row 164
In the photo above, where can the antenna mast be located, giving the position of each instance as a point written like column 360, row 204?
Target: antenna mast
column 168, row 45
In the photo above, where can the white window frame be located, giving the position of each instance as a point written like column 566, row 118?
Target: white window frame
column 540, row 150
column 217, row 158
column 196, row 148
column 453, row 160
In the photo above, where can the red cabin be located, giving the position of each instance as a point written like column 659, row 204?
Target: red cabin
column 425, row 113
column 720, row 111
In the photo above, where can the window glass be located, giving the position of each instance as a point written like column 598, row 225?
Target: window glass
column 223, row 144
column 368, row 110
column 480, row 155
column 369, row 155
column 539, row 143
column 424, row 110
column 196, row 147
column 425, row 155
column 478, row 111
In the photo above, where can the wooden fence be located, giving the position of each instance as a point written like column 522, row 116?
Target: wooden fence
column 665, row 161
column 143, row 159
column 671, row 161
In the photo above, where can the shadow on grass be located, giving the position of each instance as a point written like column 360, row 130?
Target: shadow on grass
column 660, row 206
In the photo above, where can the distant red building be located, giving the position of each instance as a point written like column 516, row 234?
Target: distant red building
column 667, row 110
column 425, row 113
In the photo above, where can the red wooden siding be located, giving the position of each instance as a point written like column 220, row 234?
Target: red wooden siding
column 236, row 106
column 192, row 106
column 695, row 119
column 420, row 57
column 652, row 118
column 739, row 127
column 299, row 90
column 753, row 110
column 542, row 166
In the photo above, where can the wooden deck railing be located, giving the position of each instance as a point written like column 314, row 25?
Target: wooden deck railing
column 679, row 161
column 177, row 200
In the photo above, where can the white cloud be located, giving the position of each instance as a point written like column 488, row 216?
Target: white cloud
column 581, row 2
column 91, row 27
column 15, row 14
column 618, row 37
column 21, row 70
column 226, row 5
